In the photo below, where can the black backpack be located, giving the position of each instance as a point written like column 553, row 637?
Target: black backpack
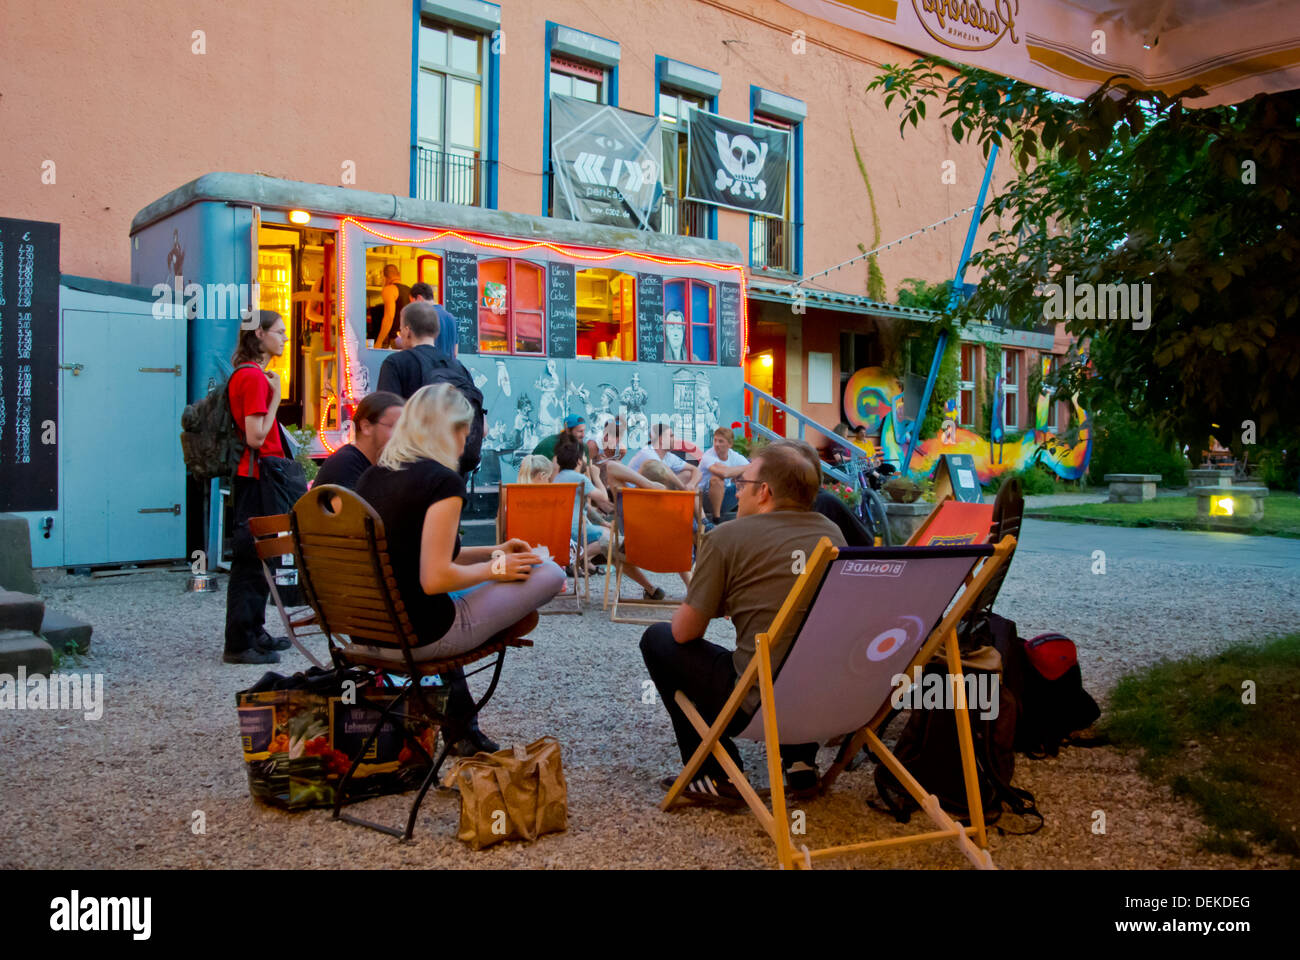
column 1055, row 703
column 928, row 747
column 211, row 442
column 437, row 367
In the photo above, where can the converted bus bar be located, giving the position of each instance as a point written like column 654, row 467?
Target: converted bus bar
column 554, row 316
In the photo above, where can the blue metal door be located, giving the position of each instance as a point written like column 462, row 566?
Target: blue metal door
column 123, row 389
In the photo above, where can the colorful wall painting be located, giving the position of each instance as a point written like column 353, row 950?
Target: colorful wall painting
column 872, row 396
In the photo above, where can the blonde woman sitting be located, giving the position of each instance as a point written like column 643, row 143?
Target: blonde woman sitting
column 535, row 468
column 457, row 598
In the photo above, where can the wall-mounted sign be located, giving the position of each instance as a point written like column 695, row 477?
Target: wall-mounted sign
column 29, row 365
column 460, row 296
column 649, row 317
column 562, row 315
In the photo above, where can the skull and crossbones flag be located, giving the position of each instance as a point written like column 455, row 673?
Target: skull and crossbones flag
column 738, row 165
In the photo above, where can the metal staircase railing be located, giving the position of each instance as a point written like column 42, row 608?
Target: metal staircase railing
column 857, row 459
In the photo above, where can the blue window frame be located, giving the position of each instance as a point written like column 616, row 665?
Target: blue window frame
column 455, row 79
column 574, row 47
column 777, row 244
column 678, row 87
column 690, row 318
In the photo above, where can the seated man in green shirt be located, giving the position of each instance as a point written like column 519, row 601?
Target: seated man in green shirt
column 744, row 571
column 575, row 428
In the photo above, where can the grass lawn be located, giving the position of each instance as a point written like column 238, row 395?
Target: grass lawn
column 1281, row 514
column 1236, row 760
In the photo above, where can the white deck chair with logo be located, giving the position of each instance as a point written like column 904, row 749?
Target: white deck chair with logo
column 857, row 619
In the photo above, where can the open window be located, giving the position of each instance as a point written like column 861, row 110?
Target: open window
column 606, row 314
column 689, row 322
column 511, row 312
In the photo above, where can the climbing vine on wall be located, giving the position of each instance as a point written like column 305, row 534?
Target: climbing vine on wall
column 875, row 279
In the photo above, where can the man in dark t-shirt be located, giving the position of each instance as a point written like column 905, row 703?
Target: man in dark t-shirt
column 381, row 319
column 421, row 363
column 372, row 424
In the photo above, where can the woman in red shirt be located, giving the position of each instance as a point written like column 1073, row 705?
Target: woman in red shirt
column 254, row 395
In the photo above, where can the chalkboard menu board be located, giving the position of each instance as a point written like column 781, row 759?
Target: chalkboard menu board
column 729, row 321
column 650, row 317
column 562, row 310
column 460, row 296
column 29, row 365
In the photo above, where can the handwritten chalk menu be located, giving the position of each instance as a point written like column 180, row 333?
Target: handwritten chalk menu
column 650, row 317
column 29, row 365
column 460, row 296
column 729, row 332
column 562, row 312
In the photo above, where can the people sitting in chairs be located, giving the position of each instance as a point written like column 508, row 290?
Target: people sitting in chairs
column 535, row 468
column 719, row 468
column 660, row 448
column 457, row 598
column 568, row 456
column 744, row 570
column 372, row 425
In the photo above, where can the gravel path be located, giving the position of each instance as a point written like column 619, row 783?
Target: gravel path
column 123, row 791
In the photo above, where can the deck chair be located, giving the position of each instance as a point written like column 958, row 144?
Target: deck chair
column 274, row 542
column 657, row 531
column 542, row 514
column 344, row 569
column 854, row 619
column 953, row 523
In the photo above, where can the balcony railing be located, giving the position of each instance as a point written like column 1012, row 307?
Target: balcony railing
column 449, row 177
column 771, row 244
column 687, row 218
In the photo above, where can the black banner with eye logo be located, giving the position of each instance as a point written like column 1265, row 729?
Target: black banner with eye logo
column 606, row 164
column 742, row 166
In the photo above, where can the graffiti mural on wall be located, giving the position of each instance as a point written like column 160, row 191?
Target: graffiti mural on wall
column 872, row 397
column 528, row 399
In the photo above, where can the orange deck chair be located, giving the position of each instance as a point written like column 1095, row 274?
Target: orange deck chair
column 542, row 515
column 954, row 524
column 655, row 530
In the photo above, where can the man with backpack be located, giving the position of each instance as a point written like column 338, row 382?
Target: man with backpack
column 420, row 363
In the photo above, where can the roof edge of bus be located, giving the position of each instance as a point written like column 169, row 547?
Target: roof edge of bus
column 273, row 192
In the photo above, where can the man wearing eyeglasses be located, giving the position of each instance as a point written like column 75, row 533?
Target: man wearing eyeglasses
column 744, row 570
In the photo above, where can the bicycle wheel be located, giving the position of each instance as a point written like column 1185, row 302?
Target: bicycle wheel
column 875, row 516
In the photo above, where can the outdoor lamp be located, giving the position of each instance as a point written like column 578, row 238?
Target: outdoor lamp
column 1221, row 506
column 299, row 217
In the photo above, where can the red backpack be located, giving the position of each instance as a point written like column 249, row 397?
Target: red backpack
column 1054, row 703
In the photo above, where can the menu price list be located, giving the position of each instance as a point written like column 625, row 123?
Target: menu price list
column 29, row 302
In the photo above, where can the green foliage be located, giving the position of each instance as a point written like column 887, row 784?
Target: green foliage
column 1279, row 463
column 875, row 279
column 1244, row 781
column 304, row 436
column 924, row 337
column 1122, row 444
column 1034, row 480
column 1129, row 187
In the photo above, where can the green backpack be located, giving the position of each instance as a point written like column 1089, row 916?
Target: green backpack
column 211, row 442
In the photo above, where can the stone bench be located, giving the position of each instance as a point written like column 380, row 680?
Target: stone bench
column 1208, row 477
column 1229, row 507
column 1132, row 487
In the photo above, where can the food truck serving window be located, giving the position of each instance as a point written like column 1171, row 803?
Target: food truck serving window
column 689, row 322
column 606, row 306
column 511, row 311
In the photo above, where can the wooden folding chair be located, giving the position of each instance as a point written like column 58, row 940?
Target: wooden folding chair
column 542, row 515
column 854, row 619
column 274, row 541
column 344, row 569
column 657, row 531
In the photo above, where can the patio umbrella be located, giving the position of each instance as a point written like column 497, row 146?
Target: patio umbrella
column 1233, row 49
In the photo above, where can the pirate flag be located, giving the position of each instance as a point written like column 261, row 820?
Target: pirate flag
column 738, row 165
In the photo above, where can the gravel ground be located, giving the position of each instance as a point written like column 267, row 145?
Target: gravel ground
column 123, row 791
